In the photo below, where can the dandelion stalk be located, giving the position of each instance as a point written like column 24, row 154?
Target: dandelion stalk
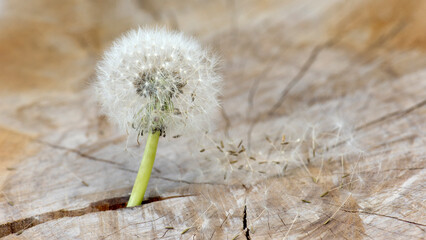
column 142, row 179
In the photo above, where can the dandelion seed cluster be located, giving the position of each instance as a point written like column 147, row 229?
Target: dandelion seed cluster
column 156, row 80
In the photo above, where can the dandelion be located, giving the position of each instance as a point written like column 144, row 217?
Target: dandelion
column 160, row 83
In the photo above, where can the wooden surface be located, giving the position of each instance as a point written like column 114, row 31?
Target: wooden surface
column 343, row 81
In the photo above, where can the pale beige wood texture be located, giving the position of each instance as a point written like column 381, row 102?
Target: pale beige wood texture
column 343, row 81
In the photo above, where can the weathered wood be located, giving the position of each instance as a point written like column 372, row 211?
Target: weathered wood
column 327, row 97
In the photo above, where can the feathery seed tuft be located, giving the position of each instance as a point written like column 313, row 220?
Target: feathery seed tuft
column 157, row 80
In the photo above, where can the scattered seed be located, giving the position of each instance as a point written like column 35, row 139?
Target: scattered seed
column 177, row 136
column 263, row 162
column 220, row 149
column 239, row 144
column 267, row 139
column 328, row 220
column 11, row 203
column 10, row 169
column 242, row 150
column 346, row 175
column 324, row 194
column 85, row 183
column 262, row 172
column 305, row 201
column 202, row 150
column 283, row 139
column 284, row 143
column 232, row 152
column 285, row 167
column 221, row 144
column 236, row 236
column 253, row 158
column 232, row 162
column 169, row 228
column 184, row 231
column 315, row 180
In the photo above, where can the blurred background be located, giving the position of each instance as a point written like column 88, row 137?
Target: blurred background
column 327, row 98
column 43, row 41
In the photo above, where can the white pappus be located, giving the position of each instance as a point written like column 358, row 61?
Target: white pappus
column 158, row 80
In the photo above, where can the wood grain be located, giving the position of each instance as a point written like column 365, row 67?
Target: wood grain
column 327, row 97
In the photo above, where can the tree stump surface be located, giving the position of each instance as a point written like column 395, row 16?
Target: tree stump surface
column 328, row 98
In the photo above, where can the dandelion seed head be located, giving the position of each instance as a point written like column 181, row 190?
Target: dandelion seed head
column 157, row 80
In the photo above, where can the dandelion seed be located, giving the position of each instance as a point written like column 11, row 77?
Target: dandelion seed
column 324, row 194
column 242, row 150
column 185, row 230
column 285, row 167
column 268, row 139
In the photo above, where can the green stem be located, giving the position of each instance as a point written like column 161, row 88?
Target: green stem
column 145, row 169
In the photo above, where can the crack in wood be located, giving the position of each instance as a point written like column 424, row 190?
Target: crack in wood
column 381, row 40
column 252, row 92
column 195, row 183
column 81, row 154
column 383, row 215
column 227, row 121
column 391, row 169
column 396, row 114
column 302, row 72
column 245, row 227
column 18, row 226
